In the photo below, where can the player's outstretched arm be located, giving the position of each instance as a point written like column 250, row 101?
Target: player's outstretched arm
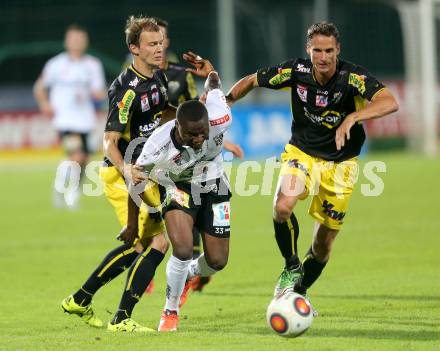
column 382, row 104
column 241, row 88
column 236, row 149
column 202, row 67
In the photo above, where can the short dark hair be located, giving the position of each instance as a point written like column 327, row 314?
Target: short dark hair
column 191, row 111
column 136, row 25
column 323, row 28
column 76, row 27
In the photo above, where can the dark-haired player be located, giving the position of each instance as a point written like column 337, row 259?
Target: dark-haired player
column 329, row 99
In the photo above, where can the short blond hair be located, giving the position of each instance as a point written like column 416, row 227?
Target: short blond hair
column 136, row 25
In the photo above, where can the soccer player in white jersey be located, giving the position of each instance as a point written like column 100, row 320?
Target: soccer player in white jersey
column 184, row 157
column 68, row 89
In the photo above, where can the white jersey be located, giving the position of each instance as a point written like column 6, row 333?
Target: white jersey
column 161, row 155
column 71, row 84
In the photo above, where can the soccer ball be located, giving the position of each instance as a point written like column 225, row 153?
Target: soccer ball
column 289, row 314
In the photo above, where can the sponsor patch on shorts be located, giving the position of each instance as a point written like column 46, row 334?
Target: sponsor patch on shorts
column 222, row 214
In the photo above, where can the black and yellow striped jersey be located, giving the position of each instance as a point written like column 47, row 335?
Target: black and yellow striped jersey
column 181, row 85
column 136, row 104
column 318, row 110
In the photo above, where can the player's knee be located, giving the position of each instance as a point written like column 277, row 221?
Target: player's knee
column 217, row 263
column 160, row 243
column 282, row 211
column 183, row 253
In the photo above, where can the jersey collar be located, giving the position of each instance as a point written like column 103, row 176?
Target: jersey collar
column 131, row 67
column 173, row 139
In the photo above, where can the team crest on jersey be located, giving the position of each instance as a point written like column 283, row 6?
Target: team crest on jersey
column 155, row 95
column 321, row 100
column 222, row 214
column 302, row 92
column 337, row 97
column 145, row 105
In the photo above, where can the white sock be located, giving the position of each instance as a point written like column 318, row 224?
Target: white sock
column 199, row 266
column 177, row 272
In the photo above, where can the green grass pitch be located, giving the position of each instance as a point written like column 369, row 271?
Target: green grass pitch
column 380, row 291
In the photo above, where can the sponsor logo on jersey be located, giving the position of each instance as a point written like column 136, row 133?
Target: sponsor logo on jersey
column 300, row 68
column 302, row 92
column 327, row 208
column 282, row 76
column 149, row 127
column 134, row 82
column 218, row 121
column 145, row 105
column 155, row 95
column 125, row 104
column 221, row 213
column 321, row 100
column 218, row 139
column 358, row 81
column 329, row 118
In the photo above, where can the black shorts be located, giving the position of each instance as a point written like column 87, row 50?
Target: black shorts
column 74, row 141
column 208, row 205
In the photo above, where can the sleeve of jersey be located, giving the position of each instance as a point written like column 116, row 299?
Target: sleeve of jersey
column 120, row 103
column 98, row 79
column 149, row 156
column 47, row 74
column 276, row 77
column 191, row 91
column 365, row 83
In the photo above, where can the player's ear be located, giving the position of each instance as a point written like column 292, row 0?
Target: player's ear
column 134, row 49
column 308, row 50
column 338, row 48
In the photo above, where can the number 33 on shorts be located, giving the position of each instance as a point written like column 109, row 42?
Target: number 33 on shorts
column 221, row 217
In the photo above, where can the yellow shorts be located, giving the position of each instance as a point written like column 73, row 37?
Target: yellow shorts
column 117, row 194
column 330, row 183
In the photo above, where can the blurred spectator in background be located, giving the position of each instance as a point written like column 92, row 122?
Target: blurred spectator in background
column 69, row 89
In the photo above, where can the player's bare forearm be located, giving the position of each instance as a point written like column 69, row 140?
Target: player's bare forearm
column 383, row 103
column 111, row 151
column 242, row 88
column 234, row 148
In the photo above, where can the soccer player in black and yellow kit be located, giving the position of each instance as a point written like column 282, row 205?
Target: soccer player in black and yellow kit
column 137, row 101
column 329, row 101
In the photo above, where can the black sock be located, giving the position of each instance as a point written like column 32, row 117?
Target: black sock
column 286, row 235
column 312, row 270
column 196, row 242
column 113, row 264
column 139, row 276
